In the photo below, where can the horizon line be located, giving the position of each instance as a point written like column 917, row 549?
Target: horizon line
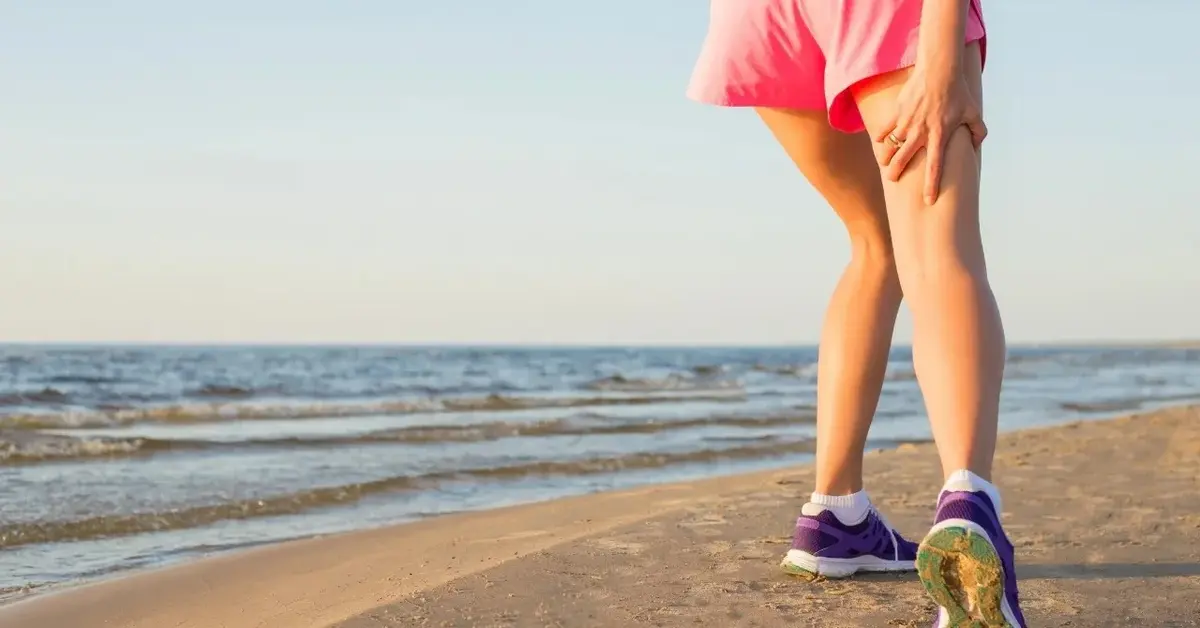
column 1180, row 343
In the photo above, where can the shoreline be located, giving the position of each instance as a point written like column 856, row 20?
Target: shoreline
column 484, row 566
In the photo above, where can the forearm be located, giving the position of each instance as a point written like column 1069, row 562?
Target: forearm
column 943, row 31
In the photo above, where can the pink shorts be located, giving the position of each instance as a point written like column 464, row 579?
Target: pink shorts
column 806, row 54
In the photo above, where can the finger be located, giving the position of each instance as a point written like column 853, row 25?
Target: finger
column 889, row 126
column 904, row 122
column 888, row 150
column 904, row 154
column 934, row 149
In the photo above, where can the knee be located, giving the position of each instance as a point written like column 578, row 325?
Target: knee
column 930, row 274
column 873, row 262
column 871, row 249
column 936, row 253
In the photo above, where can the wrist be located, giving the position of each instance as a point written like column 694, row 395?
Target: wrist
column 942, row 32
column 939, row 66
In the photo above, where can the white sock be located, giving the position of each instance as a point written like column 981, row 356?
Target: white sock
column 964, row 480
column 849, row 509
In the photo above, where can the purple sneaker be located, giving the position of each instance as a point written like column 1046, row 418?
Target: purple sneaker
column 967, row 565
column 825, row 546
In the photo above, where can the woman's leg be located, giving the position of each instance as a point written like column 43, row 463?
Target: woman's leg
column 958, row 339
column 838, row 533
column 966, row 563
column 861, row 316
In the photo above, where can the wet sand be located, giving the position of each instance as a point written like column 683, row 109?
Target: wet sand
column 1105, row 516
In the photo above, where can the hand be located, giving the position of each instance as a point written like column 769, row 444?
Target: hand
column 928, row 110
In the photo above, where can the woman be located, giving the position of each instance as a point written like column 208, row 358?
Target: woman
column 908, row 73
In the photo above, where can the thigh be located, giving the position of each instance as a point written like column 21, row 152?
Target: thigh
column 948, row 232
column 839, row 165
column 876, row 97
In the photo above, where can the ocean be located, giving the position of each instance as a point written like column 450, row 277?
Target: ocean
column 120, row 457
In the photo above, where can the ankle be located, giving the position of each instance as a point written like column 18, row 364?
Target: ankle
column 977, row 464
column 967, row 480
column 847, row 480
column 849, row 509
column 837, row 488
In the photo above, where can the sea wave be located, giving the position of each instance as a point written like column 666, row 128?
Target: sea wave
column 706, row 381
column 238, row 411
column 1102, row 406
column 10, row 594
column 27, row 447
column 33, row 397
column 18, row 447
column 226, row 391
column 807, row 370
column 1126, row 404
column 103, row 526
column 91, row 380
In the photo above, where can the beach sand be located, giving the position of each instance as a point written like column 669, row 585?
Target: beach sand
column 1105, row 516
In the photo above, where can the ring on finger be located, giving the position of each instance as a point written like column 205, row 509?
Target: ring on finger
column 894, row 141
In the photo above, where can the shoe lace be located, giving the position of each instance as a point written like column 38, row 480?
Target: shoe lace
column 882, row 519
column 891, row 530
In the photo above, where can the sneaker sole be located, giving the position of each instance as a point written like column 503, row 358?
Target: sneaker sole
column 801, row 563
column 963, row 573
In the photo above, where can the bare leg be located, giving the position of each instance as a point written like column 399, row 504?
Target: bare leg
column 861, row 316
column 958, row 342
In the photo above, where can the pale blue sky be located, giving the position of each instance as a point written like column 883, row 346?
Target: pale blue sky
column 480, row 171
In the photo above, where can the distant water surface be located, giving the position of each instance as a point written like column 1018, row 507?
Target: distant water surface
column 113, row 458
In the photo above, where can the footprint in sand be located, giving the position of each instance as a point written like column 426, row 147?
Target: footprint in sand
column 516, row 536
column 1049, row 599
column 705, row 520
column 616, row 545
column 716, row 548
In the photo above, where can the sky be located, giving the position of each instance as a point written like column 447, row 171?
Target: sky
column 530, row 172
